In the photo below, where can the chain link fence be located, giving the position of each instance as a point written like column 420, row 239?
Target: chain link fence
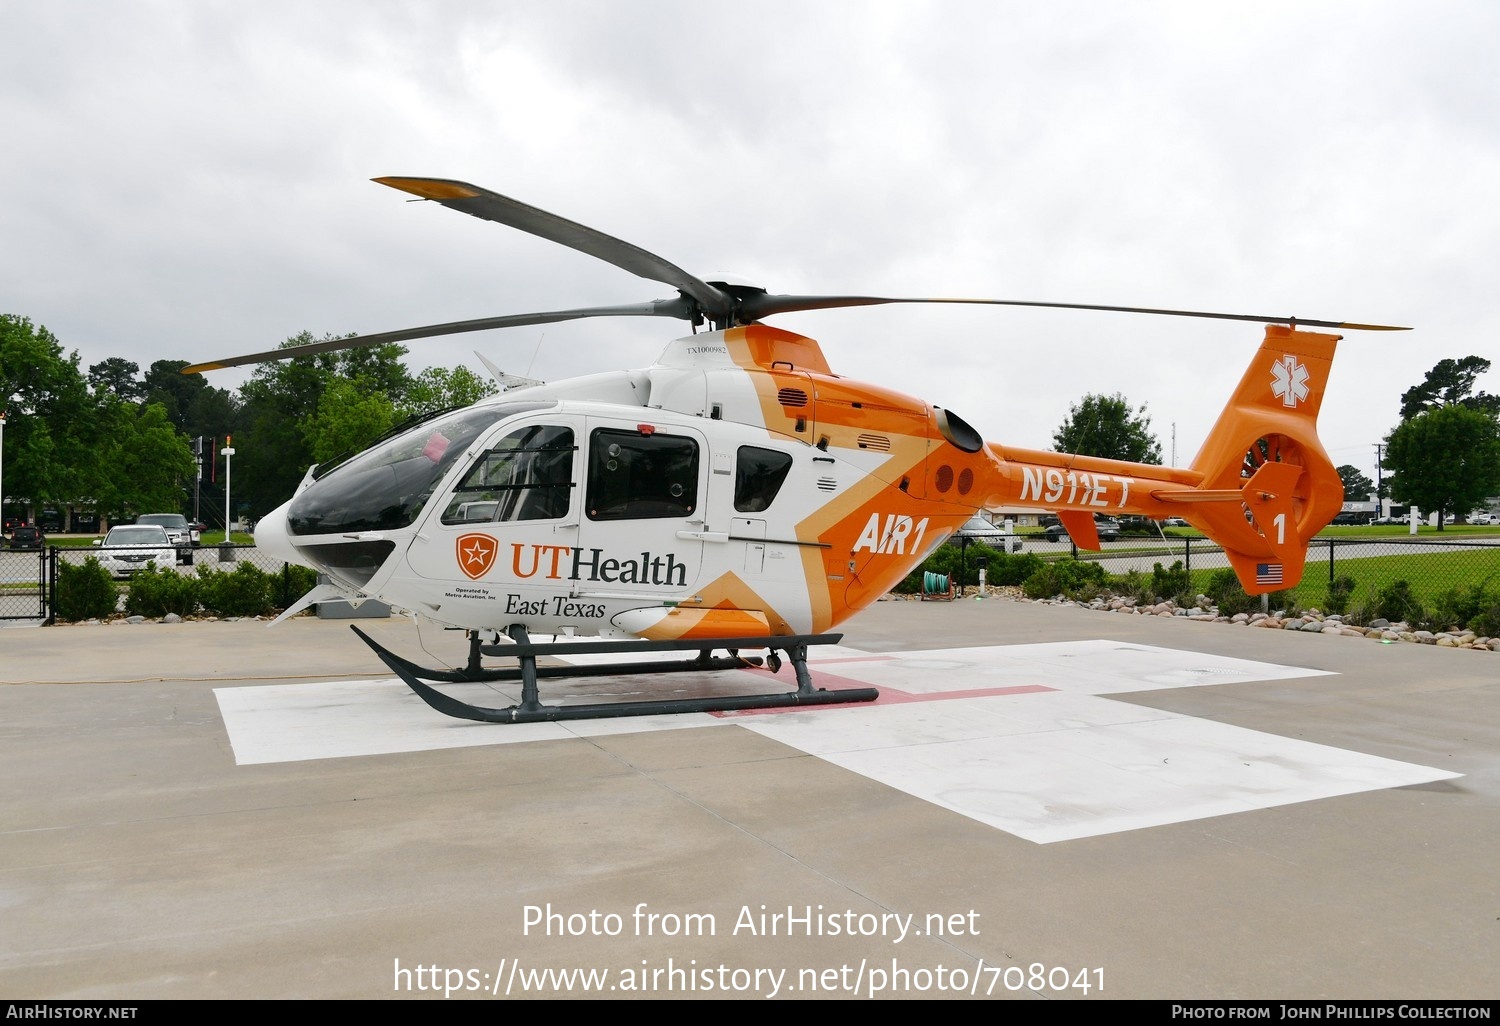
column 24, row 594
column 28, row 579
column 1432, row 567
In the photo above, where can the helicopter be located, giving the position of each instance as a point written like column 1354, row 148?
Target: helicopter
column 738, row 494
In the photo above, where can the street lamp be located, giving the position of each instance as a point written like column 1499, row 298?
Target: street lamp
column 226, row 452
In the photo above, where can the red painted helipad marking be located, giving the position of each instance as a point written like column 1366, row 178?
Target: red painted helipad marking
column 895, row 696
column 888, row 695
column 825, row 660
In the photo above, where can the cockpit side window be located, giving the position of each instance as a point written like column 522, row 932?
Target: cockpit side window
column 527, row 475
column 634, row 475
column 758, row 476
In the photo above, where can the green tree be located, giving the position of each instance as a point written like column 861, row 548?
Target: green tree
column 279, row 420
column 350, row 415
column 1357, row 486
column 438, row 388
column 143, row 464
column 193, row 406
column 1105, row 425
column 1445, row 459
column 48, row 426
column 1450, row 382
column 117, row 375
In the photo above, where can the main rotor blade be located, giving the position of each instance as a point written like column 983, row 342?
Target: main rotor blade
column 680, row 307
column 491, row 206
column 754, row 307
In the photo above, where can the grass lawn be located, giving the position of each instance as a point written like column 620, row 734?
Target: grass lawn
column 1430, row 574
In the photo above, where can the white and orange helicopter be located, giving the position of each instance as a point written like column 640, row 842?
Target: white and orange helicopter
column 738, row 494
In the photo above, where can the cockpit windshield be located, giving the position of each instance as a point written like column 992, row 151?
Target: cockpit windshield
column 386, row 486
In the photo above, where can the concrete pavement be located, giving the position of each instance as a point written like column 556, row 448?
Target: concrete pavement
column 144, row 855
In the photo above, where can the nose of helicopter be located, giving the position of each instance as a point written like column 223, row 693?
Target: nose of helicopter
column 271, row 536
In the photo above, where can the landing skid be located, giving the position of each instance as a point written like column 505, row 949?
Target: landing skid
column 531, row 710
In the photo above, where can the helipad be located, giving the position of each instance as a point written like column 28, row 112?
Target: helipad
column 1143, row 809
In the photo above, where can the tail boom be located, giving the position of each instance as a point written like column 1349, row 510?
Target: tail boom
column 1260, row 487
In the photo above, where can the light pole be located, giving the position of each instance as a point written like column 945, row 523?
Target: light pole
column 198, row 484
column 2, row 468
column 227, row 452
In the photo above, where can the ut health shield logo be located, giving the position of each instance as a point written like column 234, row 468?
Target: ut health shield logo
column 476, row 554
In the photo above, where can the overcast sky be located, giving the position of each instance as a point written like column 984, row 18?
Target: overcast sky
column 190, row 179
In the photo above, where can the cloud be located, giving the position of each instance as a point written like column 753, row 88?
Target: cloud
column 190, row 180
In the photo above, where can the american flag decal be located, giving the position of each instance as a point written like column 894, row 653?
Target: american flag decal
column 1267, row 573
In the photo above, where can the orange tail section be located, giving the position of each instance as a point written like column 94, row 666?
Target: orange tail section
column 1265, row 447
column 1261, row 486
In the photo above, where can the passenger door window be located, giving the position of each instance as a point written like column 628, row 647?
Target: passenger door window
column 634, row 475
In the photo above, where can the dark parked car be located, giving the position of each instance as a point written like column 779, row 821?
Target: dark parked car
column 27, row 536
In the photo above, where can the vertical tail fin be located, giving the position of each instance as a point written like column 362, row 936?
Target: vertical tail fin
column 1265, row 446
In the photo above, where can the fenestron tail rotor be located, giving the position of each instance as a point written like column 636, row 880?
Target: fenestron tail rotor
column 697, row 300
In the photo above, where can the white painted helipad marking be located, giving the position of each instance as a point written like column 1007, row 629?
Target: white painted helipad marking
column 1020, row 737
column 299, row 722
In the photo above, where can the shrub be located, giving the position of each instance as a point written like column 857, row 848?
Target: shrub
column 1075, row 578
column 1395, row 601
column 1340, row 592
column 244, row 592
column 1228, row 594
column 1464, row 607
column 85, row 592
column 156, row 592
column 1133, row 585
column 1487, row 622
column 1175, row 583
column 1013, row 568
column 291, row 584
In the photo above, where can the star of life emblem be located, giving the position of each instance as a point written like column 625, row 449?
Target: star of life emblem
column 1289, row 381
column 476, row 554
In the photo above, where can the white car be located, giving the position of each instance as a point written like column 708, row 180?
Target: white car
column 133, row 547
column 1481, row 517
column 981, row 530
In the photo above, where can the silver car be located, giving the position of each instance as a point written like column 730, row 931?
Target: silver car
column 133, row 547
column 981, row 530
column 183, row 534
